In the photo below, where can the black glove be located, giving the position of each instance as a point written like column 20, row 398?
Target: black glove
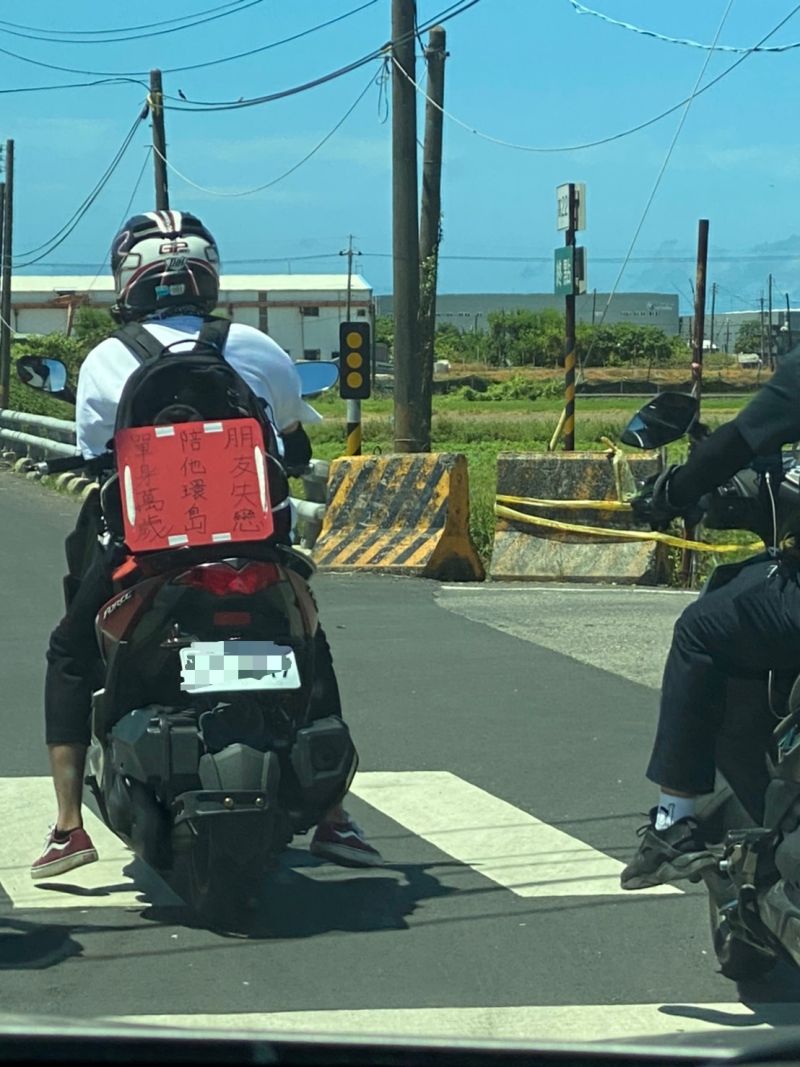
column 652, row 505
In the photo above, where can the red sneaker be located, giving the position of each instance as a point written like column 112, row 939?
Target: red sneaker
column 59, row 857
column 344, row 843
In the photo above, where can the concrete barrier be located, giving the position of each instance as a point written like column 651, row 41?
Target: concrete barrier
column 560, row 481
column 399, row 514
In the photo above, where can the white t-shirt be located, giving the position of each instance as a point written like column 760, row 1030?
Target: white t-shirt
column 262, row 363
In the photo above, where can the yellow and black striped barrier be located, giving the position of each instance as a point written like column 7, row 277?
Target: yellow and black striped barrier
column 399, row 514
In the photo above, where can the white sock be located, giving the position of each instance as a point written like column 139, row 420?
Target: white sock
column 671, row 809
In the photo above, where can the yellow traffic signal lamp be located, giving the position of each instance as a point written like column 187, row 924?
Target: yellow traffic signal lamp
column 354, row 360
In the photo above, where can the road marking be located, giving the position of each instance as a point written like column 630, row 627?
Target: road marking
column 562, row 1022
column 578, row 590
column 501, row 842
column 117, row 880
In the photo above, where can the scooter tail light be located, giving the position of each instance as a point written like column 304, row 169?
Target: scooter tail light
column 220, row 579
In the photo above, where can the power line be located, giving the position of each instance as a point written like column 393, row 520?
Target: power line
column 125, row 213
column 162, row 29
column 581, row 9
column 69, row 226
column 657, row 183
column 74, row 85
column 120, row 29
column 613, row 137
column 377, row 53
column 192, row 66
column 286, row 173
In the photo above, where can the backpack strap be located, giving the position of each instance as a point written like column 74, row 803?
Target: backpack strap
column 139, row 342
column 146, row 348
column 214, row 333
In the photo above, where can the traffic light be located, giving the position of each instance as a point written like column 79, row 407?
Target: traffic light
column 354, row 360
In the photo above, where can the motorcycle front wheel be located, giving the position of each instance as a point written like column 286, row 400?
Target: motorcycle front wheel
column 738, row 959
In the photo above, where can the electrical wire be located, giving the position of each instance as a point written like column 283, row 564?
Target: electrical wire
column 274, row 181
column 75, row 85
column 125, row 214
column 119, row 29
column 443, row 16
column 160, row 31
column 585, row 361
column 378, row 53
column 69, row 226
column 581, row 9
column 193, row 66
column 613, row 137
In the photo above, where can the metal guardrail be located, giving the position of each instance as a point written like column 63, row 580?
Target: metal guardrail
column 56, row 437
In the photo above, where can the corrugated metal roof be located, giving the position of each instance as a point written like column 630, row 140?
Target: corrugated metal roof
column 81, row 283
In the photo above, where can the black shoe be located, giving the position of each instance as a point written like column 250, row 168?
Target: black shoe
column 667, row 855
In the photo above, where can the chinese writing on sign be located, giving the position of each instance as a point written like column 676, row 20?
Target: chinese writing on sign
column 193, row 484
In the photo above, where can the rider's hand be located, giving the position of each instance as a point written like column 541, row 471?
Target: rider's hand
column 652, row 505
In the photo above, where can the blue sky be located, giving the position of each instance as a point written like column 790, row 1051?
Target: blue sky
column 528, row 71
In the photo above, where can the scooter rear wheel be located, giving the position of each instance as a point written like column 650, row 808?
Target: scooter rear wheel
column 226, row 871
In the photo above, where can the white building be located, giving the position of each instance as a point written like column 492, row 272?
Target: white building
column 301, row 312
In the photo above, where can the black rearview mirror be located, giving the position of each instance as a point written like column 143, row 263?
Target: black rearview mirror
column 316, row 375
column 45, row 374
column 666, row 418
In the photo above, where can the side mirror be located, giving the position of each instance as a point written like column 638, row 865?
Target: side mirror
column 667, row 417
column 46, row 375
column 316, row 376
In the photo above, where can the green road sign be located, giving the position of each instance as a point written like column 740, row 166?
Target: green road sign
column 570, row 270
column 564, row 282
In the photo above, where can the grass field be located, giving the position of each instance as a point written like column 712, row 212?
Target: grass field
column 482, row 430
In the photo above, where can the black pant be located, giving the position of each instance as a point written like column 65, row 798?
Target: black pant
column 73, row 663
column 740, row 631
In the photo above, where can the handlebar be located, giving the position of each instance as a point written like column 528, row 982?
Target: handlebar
column 96, row 466
column 60, row 464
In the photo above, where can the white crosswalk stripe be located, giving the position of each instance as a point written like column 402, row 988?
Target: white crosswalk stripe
column 561, row 1022
column 499, row 841
column 117, row 880
column 503, row 843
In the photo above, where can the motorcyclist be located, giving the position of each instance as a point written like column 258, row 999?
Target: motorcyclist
column 745, row 628
column 166, row 275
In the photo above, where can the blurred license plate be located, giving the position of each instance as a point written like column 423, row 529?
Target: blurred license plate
column 215, row 666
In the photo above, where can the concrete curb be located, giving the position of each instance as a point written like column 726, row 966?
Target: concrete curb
column 69, row 482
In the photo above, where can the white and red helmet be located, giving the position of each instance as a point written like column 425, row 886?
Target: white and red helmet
column 162, row 260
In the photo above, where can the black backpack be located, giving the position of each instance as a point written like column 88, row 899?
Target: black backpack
column 177, row 384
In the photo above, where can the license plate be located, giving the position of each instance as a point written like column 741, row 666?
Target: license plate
column 222, row 666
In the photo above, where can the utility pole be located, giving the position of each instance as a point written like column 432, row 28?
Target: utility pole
column 762, row 328
column 349, row 253
column 156, row 101
column 405, row 234
column 430, row 226
column 5, row 289
column 771, row 345
column 569, row 339
column 713, row 306
column 789, row 342
column 687, row 568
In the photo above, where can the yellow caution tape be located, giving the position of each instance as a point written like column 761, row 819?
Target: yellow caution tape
column 574, row 505
column 614, row 535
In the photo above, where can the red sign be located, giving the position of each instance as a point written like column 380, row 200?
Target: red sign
column 194, row 483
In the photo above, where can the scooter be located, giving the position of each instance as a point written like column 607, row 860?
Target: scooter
column 752, row 821
column 211, row 741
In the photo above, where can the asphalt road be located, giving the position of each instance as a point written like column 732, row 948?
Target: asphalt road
column 505, row 786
